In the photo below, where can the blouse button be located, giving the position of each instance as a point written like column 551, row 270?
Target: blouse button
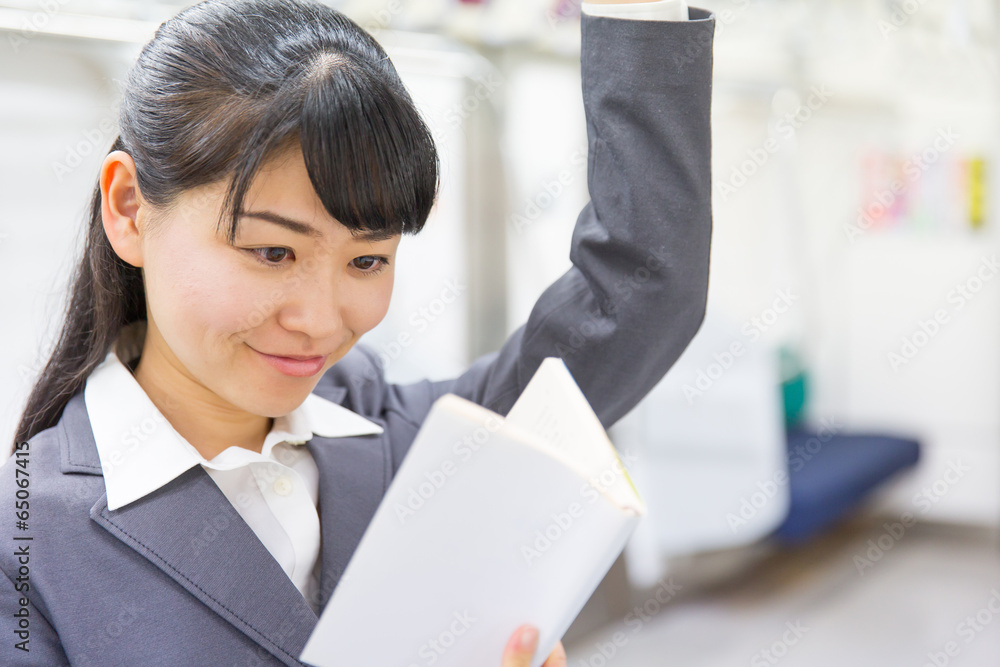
column 282, row 486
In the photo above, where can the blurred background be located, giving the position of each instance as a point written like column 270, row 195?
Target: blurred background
column 822, row 466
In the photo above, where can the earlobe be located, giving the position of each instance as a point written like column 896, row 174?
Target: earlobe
column 121, row 205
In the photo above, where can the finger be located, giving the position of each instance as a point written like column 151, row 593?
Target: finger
column 557, row 658
column 520, row 647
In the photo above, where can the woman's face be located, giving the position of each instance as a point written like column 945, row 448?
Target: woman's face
column 279, row 291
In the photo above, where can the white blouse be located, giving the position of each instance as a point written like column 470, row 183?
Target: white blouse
column 275, row 491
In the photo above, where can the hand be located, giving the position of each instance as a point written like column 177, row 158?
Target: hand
column 518, row 654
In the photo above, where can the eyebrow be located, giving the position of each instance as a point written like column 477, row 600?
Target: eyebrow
column 309, row 230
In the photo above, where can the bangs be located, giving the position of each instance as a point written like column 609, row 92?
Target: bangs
column 370, row 157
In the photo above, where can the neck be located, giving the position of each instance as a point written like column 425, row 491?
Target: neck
column 207, row 421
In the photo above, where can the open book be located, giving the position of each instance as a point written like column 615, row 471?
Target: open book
column 490, row 522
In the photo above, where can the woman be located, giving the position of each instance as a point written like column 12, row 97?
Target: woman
column 242, row 238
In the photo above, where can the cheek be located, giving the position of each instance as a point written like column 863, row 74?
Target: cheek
column 369, row 306
column 201, row 294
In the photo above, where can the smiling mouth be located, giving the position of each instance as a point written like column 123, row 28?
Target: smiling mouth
column 294, row 366
column 295, row 356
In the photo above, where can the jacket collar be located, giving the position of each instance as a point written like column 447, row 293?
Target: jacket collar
column 139, row 450
column 189, row 529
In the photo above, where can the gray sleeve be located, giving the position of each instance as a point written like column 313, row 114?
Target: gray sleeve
column 635, row 295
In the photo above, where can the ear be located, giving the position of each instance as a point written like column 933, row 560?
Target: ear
column 121, row 206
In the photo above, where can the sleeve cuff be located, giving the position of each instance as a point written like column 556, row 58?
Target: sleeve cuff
column 659, row 10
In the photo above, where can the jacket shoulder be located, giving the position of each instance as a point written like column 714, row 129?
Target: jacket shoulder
column 358, row 378
column 33, row 464
column 37, row 492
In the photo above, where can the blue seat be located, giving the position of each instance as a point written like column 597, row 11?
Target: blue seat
column 829, row 478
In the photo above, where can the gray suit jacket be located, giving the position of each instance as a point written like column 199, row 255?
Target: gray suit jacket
column 178, row 578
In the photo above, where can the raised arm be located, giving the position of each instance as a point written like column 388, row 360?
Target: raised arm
column 635, row 295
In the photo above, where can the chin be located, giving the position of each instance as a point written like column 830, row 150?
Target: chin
column 267, row 398
column 278, row 408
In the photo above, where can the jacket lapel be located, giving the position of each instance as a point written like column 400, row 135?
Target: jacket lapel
column 190, row 531
column 354, row 473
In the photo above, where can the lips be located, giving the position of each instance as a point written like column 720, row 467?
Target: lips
column 295, row 366
column 297, row 357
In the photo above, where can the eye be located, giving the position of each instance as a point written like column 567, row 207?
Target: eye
column 366, row 262
column 268, row 254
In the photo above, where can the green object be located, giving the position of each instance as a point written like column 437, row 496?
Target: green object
column 794, row 386
column 629, row 479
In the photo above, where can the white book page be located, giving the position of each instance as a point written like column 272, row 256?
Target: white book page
column 553, row 407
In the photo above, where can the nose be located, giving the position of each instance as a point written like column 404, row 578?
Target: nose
column 315, row 306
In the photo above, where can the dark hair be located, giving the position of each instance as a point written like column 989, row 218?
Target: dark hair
column 219, row 89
